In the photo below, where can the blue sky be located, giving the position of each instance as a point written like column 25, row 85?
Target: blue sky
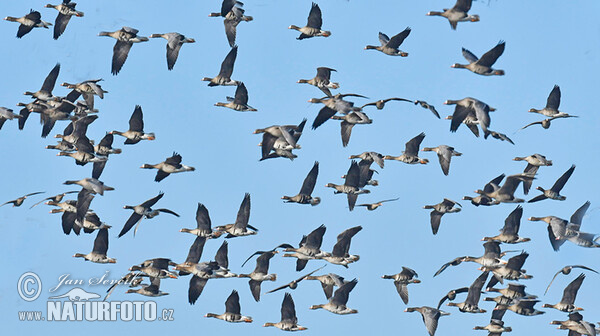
column 547, row 43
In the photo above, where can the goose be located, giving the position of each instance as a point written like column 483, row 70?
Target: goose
column 174, row 43
column 240, row 227
column 69, row 210
column 328, row 282
column 88, row 90
column 98, row 254
column 336, row 103
column 125, row 37
column 65, row 10
column 499, row 136
column 576, row 325
column 505, row 194
column 447, row 206
column 170, row 166
column 452, row 295
column 350, row 186
column 91, row 222
column 512, row 270
column 374, row 206
column 76, row 129
column 233, row 14
column 19, row 201
column 56, row 198
column 340, row 254
column 151, row 290
column 337, row 303
column 509, row 234
column 260, row 273
column 309, row 248
column 34, row 106
column 222, row 261
column 458, row 13
column 365, row 174
column 495, row 327
column 482, row 66
column 557, row 228
column 390, row 46
column 348, row 121
column 156, row 268
column 95, row 186
column 294, row 283
column 512, row 292
column 522, row 307
column 224, row 76
column 289, row 321
column 240, row 101
column 380, row 104
column 7, row 114
column 274, row 147
column 53, row 111
column 313, row 26
column 232, row 310
column 546, row 122
column 554, row 192
column 104, row 148
column 85, row 152
column 411, row 152
column 566, row 271
column 203, row 228
column 28, row 22
column 430, row 317
column 471, row 112
column 491, row 257
column 488, row 188
column 567, row 303
column 45, row 92
column 143, row 210
column 370, row 157
column 304, row 196
column 445, row 154
column 201, row 272
column 471, row 303
column 552, row 104
column 322, row 80
column 534, row 162
column 136, row 128
column 401, row 280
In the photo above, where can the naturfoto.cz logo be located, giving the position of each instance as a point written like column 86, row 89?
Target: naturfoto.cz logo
column 78, row 304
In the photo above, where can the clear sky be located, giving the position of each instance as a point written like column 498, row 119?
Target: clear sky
column 547, row 43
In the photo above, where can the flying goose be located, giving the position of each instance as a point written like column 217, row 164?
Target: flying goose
column 240, row 101
column 294, row 283
column 411, row 152
column 337, row 303
column 17, row 202
column 240, row 227
column 401, row 280
column 445, row 154
column 509, row 234
column 203, row 224
column 471, row 303
column 446, row 206
column 289, row 321
column 141, row 211
column 174, row 43
column 566, row 271
column 390, row 46
column 65, row 10
column 554, row 192
column 567, row 303
column 458, row 13
column 350, row 186
column 136, row 128
column 430, row 317
column 534, row 162
column 98, row 254
column 260, row 273
column 552, row 104
column 483, row 65
column 28, row 22
column 224, row 76
column 304, row 196
column 322, row 80
column 171, row 165
column 313, row 26
column 232, row 310
column 125, row 37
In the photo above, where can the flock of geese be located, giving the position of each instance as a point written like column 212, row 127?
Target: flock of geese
column 279, row 141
